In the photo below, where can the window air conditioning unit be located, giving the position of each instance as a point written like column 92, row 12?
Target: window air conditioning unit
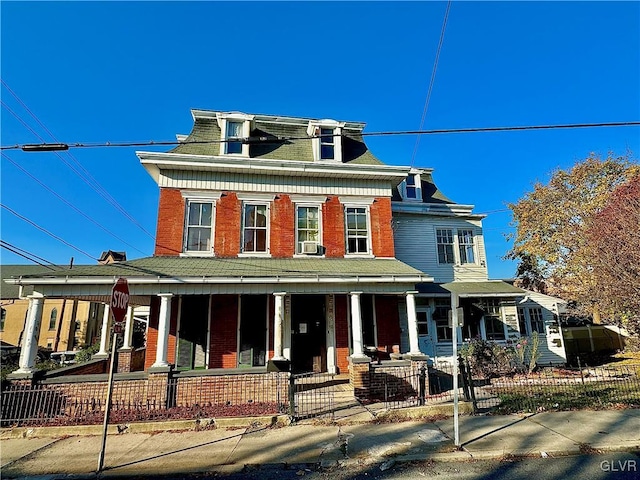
column 309, row 248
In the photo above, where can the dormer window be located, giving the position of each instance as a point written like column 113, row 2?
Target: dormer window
column 234, row 127
column 410, row 188
column 327, row 144
column 326, row 139
column 234, row 130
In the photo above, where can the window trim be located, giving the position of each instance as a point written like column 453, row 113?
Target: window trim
column 417, row 185
column 453, row 245
column 314, row 131
column 317, row 205
column 246, row 120
column 267, row 252
column 369, row 252
column 185, row 246
column 539, row 320
column 466, row 245
column 455, row 233
column 448, row 338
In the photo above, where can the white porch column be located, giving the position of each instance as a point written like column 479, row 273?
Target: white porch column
column 105, row 333
column 278, row 322
column 412, row 320
column 356, row 326
column 29, row 349
column 128, row 329
column 164, row 321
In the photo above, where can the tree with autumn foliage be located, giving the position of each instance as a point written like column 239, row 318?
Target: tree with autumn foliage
column 614, row 240
column 552, row 224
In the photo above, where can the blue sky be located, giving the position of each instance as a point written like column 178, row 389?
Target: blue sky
column 125, row 71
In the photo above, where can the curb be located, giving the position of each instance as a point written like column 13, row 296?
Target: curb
column 145, row 427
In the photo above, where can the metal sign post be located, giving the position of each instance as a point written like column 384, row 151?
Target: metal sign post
column 454, row 341
column 119, row 305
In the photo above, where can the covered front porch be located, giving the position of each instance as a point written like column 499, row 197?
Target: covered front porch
column 254, row 314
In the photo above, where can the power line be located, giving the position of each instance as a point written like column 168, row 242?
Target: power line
column 32, row 257
column 432, row 80
column 53, row 192
column 266, row 140
column 46, row 231
column 81, row 172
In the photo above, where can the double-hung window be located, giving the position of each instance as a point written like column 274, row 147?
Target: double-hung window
column 465, row 246
column 234, row 131
column 357, row 230
column 199, row 226
column 327, row 144
column 537, row 322
column 307, row 229
column 255, row 227
column 444, row 237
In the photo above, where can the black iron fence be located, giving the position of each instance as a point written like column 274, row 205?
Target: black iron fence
column 317, row 395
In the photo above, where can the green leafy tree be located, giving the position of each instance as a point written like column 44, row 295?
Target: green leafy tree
column 552, row 222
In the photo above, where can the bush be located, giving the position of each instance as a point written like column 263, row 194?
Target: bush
column 488, row 359
column 85, row 354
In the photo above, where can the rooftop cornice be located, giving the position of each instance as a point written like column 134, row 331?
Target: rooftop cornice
column 153, row 162
column 277, row 119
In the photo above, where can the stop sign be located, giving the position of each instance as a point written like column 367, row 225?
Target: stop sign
column 120, row 300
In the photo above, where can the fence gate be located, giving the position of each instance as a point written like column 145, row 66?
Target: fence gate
column 318, row 394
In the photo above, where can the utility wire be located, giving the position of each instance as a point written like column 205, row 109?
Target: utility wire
column 267, row 140
column 32, row 257
column 53, row 192
column 82, row 172
column 431, row 81
column 47, row 231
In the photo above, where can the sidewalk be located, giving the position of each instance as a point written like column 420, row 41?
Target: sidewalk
column 227, row 450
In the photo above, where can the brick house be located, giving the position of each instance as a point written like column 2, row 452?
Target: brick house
column 274, row 250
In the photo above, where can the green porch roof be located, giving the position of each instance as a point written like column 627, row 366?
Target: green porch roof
column 489, row 288
column 211, row 268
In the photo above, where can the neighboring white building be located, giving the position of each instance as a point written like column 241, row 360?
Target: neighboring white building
column 436, row 235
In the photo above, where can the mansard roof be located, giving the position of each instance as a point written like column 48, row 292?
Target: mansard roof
column 288, row 138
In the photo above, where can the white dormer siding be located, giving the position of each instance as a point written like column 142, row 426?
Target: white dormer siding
column 326, row 140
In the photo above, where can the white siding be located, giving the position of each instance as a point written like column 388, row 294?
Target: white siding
column 415, row 244
column 197, row 180
column 551, row 343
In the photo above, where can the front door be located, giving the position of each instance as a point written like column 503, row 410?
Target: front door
column 192, row 335
column 308, row 337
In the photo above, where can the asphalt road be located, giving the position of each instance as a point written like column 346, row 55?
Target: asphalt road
column 609, row 466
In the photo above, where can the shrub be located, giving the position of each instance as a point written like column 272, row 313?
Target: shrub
column 85, row 354
column 488, row 359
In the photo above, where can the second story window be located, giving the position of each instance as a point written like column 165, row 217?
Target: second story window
column 307, row 229
column 234, row 130
column 465, row 245
column 327, row 144
column 53, row 318
column 255, row 228
column 444, row 237
column 199, row 226
column 357, row 231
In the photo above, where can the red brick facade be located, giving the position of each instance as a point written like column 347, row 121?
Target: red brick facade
column 224, row 332
column 283, row 233
column 381, row 231
column 227, row 225
column 342, row 333
column 170, row 231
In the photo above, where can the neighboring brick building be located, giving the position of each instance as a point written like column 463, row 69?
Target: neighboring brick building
column 67, row 324
column 274, row 247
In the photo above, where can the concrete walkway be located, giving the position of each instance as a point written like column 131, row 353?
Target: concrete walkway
column 220, row 448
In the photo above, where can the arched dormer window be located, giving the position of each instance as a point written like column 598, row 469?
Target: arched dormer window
column 53, row 318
